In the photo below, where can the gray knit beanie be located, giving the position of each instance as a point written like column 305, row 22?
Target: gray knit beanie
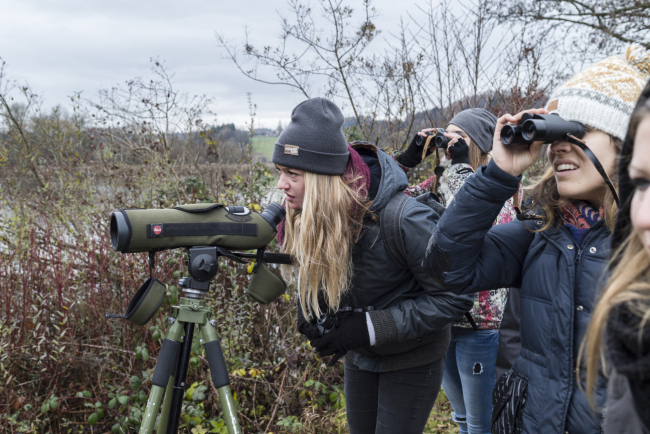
column 313, row 140
column 479, row 125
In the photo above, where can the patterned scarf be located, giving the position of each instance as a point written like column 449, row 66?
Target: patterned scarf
column 356, row 168
column 579, row 216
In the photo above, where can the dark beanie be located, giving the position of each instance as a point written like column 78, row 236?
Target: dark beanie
column 479, row 125
column 313, row 140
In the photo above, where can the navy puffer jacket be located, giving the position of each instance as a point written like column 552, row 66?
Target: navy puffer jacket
column 559, row 283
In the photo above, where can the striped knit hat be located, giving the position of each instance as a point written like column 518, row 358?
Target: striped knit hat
column 603, row 95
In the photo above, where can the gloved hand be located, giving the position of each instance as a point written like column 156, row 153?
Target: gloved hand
column 413, row 154
column 459, row 151
column 351, row 333
column 305, row 327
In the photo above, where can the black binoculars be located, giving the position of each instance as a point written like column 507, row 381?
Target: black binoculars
column 439, row 139
column 540, row 128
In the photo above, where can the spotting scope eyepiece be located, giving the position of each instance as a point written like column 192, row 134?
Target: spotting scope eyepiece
column 273, row 214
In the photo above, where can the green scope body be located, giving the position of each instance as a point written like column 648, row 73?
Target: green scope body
column 212, row 224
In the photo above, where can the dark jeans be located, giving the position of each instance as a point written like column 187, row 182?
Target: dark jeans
column 391, row 402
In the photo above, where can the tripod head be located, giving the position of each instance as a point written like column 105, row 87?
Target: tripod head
column 202, row 265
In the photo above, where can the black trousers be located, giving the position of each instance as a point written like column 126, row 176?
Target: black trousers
column 391, row 402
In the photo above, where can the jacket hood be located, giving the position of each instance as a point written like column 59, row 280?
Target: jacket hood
column 393, row 178
column 623, row 224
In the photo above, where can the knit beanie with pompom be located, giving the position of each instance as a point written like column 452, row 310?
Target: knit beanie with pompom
column 603, row 95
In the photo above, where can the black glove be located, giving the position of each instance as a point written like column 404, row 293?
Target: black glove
column 351, row 333
column 459, row 152
column 413, row 154
column 305, row 327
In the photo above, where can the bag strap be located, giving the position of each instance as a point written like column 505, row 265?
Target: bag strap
column 390, row 230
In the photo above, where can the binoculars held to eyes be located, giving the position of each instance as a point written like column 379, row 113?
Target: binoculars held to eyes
column 439, row 139
column 540, row 128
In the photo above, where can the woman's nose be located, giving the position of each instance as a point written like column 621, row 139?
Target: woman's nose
column 642, row 210
column 560, row 147
column 282, row 183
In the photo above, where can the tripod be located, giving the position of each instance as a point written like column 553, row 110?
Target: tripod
column 170, row 374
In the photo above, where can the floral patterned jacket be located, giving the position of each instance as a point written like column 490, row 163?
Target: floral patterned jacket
column 488, row 305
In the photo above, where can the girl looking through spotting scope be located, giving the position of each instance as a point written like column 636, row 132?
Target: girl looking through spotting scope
column 390, row 322
column 558, row 255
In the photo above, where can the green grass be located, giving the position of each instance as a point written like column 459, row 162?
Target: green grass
column 440, row 419
column 263, row 146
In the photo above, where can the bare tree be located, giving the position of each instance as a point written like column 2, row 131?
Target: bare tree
column 608, row 23
column 449, row 57
column 329, row 58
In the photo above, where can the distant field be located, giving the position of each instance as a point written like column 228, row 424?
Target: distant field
column 263, row 146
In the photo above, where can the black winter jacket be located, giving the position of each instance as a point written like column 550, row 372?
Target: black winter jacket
column 412, row 311
column 559, row 282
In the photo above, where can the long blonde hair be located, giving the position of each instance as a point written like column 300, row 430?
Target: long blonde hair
column 628, row 284
column 545, row 195
column 320, row 238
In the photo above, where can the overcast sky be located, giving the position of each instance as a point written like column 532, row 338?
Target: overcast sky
column 64, row 46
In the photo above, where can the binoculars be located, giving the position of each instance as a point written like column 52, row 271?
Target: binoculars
column 540, row 128
column 439, row 139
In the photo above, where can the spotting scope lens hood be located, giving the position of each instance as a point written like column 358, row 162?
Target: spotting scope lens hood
column 119, row 231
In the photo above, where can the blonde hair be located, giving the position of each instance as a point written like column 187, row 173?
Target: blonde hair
column 628, row 284
column 545, row 195
column 477, row 157
column 320, row 238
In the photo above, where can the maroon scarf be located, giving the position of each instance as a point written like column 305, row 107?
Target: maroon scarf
column 356, row 169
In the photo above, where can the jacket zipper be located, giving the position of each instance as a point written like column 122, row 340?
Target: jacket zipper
column 591, row 234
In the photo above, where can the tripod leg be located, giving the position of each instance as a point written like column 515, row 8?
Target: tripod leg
column 161, row 378
column 220, row 379
column 164, row 413
column 178, row 392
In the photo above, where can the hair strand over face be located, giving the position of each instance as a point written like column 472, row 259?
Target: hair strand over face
column 320, row 237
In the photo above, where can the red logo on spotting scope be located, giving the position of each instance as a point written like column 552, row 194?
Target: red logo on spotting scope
column 157, row 230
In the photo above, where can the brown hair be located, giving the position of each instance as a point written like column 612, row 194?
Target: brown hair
column 544, row 194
